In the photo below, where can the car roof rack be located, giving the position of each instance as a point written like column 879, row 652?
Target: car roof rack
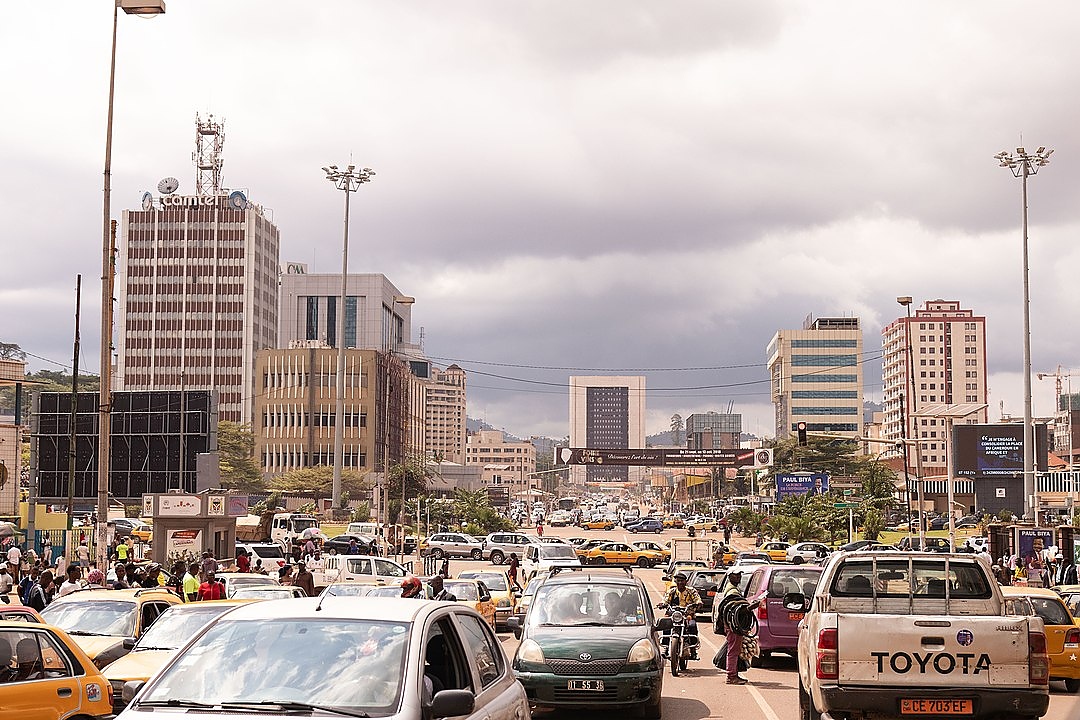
column 556, row 569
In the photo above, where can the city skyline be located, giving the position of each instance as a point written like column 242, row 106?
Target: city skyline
column 575, row 190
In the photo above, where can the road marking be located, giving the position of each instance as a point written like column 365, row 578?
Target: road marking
column 765, row 709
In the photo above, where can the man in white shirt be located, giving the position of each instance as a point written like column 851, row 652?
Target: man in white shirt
column 14, row 558
column 6, row 583
column 73, row 582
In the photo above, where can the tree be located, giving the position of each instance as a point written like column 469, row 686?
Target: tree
column 415, row 474
column 11, row 351
column 320, row 481
column 677, row 426
column 236, row 449
column 873, row 524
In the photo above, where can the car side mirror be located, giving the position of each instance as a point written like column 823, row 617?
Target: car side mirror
column 665, row 578
column 796, row 602
column 129, row 643
column 514, row 625
column 709, row 587
column 452, row 703
column 663, row 624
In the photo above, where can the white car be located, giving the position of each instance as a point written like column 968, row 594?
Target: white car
column 978, row 544
column 807, row 552
column 541, row 557
column 362, row 656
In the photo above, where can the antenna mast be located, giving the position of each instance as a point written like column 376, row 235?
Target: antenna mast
column 209, row 141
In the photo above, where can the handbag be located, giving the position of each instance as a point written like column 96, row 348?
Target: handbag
column 720, row 659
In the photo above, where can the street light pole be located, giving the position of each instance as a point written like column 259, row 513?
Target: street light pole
column 347, row 180
column 906, row 302
column 398, row 300
column 1023, row 164
column 130, row 7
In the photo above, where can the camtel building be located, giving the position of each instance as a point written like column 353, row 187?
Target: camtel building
column 948, row 354
column 198, row 287
column 816, row 375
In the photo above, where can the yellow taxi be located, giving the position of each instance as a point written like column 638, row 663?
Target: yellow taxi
column 777, row 550
column 673, row 521
column 474, row 594
column 172, row 630
column 664, row 550
column 597, row 524
column 106, row 623
column 702, row 524
column 1062, row 633
column 615, row 553
column 502, row 591
column 45, row 675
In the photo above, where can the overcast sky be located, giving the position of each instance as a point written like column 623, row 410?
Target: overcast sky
column 573, row 188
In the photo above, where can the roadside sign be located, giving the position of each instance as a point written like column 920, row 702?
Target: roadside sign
column 845, row 505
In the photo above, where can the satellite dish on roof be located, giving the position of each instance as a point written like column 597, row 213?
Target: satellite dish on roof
column 168, row 186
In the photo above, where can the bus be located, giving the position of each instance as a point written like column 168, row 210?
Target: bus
column 566, row 503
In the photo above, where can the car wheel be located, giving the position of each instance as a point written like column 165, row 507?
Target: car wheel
column 797, row 560
column 497, row 557
column 476, row 554
column 437, row 553
column 599, row 560
column 643, row 562
column 807, row 711
column 658, row 531
column 609, row 527
column 1072, row 686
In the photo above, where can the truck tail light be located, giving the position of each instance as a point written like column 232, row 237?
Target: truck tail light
column 1038, row 660
column 828, row 659
column 763, row 610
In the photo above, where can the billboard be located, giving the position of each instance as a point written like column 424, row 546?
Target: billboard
column 994, row 451
column 788, row 484
column 710, row 457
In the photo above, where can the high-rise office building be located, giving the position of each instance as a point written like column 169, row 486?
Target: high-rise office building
column 817, row 377
column 445, row 415
column 606, row 412
column 948, row 353
column 198, row 288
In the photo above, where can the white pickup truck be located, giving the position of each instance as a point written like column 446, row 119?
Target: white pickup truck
column 907, row 635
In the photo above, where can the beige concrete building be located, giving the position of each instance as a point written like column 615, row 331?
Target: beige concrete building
column 504, row 463
column 296, row 404
column 948, row 352
column 12, row 372
column 444, row 415
column 817, row 377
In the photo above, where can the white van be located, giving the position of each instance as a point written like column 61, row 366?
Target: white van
column 540, row 557
column 358, row 567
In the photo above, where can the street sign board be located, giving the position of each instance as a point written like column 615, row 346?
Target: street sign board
column 845, row 505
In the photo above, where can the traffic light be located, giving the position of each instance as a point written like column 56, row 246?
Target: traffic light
column 801, row 427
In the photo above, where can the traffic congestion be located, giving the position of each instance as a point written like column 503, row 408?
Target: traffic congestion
column 578, row 617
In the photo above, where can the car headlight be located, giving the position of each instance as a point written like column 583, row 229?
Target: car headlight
column 503, row 603
column 642, row 652
column 530, row 652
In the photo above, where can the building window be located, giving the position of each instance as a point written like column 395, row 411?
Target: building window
column 350, row 321
column 331, row 321
column 311, row 331
column 824, row 343
column 824, row 360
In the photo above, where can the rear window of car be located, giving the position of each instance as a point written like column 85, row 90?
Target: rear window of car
column 795, row 580
column 1051, row 610
column 895, row 579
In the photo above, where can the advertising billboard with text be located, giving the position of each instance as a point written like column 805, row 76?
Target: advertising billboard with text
column 989, row 451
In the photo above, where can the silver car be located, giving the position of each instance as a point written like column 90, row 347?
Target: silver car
column 450, row 544
column 358, row 656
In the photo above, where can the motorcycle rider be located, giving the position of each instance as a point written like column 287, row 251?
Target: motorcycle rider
column 686, row 597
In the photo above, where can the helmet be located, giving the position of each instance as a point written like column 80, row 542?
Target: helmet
column 152, row 567
column 410, row 586
column 680, row 576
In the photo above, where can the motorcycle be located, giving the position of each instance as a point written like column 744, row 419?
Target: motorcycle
column 681, row 646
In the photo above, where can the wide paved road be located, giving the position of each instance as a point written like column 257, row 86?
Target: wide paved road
column 701, row 692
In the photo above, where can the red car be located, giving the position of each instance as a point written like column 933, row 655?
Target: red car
column 19, row 612
column 778, row 628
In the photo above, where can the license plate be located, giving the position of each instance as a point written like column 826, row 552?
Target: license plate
column 795, row 616
column 935, row 707
column 595, row 685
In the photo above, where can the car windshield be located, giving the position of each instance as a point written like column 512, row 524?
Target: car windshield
column 267, row 551
column 463, row 590
column 173, row 629
column 346, row 590
column 264, row 592
column 93, row 617
column 359, row 665
column 494, row 581
column 1051, row 610
column 567, row 605
column 302, row 524
column 557, row 552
